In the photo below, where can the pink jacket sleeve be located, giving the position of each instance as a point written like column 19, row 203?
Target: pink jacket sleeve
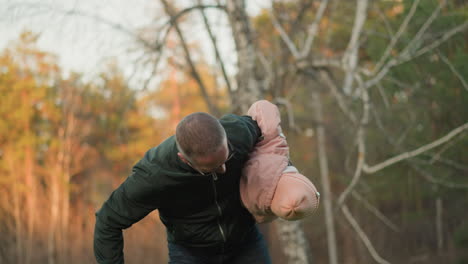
column 268, row 187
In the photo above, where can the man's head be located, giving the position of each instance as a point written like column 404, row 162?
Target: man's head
column 202, row 143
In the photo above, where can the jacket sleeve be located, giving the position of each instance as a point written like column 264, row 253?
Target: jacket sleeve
column 253, row 130
column 128, row 204
column 243, row 131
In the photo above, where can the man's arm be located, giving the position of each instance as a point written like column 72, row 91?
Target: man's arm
column 242, row 131
column 128, row 204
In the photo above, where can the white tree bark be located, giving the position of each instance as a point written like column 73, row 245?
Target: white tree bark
column 410, row 154
column 293, row 240
column 326, row 198
column 350, row 58
column 249, row 89
column 249, row 82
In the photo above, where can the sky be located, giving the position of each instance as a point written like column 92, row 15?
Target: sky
column 85, row 45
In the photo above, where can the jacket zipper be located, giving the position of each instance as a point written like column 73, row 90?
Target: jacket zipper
column 215, row 178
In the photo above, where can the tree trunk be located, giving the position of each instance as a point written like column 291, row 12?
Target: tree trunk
column 30, row 203
column 16, row 210
column 29, row 181
column 65, row 207
column 249, row 82
column 68, row 138
column 18, row 228
column 439, row 225
column 294, row 242
column 250, row 89
column 326, row 198
column 54, row 191
column 53, row 221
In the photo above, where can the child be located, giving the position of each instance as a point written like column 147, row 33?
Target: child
column 270, row 187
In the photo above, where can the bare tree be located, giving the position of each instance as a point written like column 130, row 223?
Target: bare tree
column 355, row 86
column 324, row 175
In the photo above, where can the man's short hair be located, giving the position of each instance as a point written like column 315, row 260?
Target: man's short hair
column 199, row 134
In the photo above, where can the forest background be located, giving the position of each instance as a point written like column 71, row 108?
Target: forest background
column 374, row 101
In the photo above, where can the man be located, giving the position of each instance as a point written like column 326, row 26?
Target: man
column 192, row 178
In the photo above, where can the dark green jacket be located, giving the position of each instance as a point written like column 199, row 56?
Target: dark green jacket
column 197, row 210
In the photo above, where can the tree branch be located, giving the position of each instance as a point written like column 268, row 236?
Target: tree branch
column 436, row 43
column 432, row 179
column 410, row 154
column 422, row 30
column 382, row 16
column 363, row 236
column 453, row 69
column 173, row 19
column 289, row 110
column 361, row 147
column 350, row 58
column 426, row 175
column 383, row 95
column 446, row 162
column 189, row 9
column 216, row 50
column 269, row 74
column 375, row 211
column 395, row 38
column 405, row 55
column 319, row 63
column 211, row 106
column 339, row 98
column 289, row 43
column 313, row 28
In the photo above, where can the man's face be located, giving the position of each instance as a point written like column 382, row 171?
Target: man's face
column 213, row 162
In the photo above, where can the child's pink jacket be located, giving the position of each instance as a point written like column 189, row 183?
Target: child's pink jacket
column 270, row 188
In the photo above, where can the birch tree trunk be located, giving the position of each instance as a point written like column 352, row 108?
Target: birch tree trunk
column 326, row 190
column 249, row 89
column 249, row 83
column 294, row 242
